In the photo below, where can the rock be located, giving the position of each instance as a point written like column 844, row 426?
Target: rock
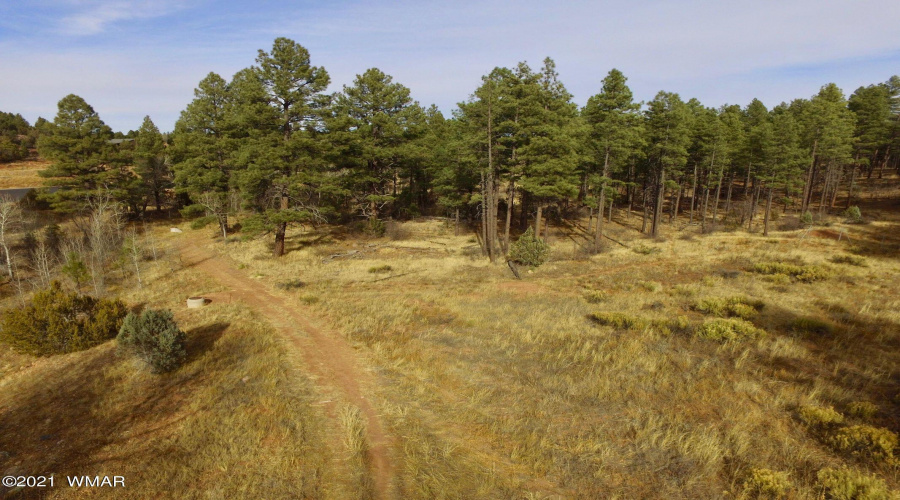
column 175, row 230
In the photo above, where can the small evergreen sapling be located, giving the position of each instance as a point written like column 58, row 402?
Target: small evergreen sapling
column 154, row 337
column 529, row 250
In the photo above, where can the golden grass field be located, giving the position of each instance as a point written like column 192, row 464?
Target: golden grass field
column 595, row 376
column 22, row 174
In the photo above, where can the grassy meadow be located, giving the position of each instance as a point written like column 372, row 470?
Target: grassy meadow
column 719, row 365
column 607, row 376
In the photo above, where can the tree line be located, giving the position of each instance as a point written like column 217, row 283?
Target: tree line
column 273, row 145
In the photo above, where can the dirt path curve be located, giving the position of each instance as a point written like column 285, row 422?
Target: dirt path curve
column 331, row 359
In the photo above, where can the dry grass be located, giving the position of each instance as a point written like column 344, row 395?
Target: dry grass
column 498, row 388
column 502, row 388
column 22, row 174
column 240, row 419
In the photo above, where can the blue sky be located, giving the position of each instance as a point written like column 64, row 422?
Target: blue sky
column 134, row 58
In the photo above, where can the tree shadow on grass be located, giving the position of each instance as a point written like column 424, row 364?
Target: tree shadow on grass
column 201, row 339
column 64, row 420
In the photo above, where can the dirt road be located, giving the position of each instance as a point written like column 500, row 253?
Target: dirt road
column 331, row 359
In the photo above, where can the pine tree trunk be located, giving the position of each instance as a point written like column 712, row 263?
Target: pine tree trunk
column 754, row 201
column 768, row 213
column 280, row 229
column 537, row 221
column 660, row 198
column 705, row 208
column 728, row 197
column 718, row 195
column 807, row 187
column 693, row 195
column 456, row 229
column 850, row 187
column 747, row 182
column 510, row 201
column 675, row 206
column 825, row 188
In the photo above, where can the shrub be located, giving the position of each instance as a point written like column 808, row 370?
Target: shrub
column 595, row 296
column 290, row 284
column 153, row 337
column 645, row 250
column 851, row 484
column 75, row 269
column 57, row 322
column 806, row 219
column 864, row 441
column 728, row 330
column 375, row 227
column 650, row 286
column 202, row 222
column 729, row 307
column 853, row 260
column 818, row 417
column 765, row 483
column 528, row 250
column 806, row 274
column 862, row 409
column 853, row 215
column 381, row 269
column 619, row 321
column 396, row 231
column 812, row 325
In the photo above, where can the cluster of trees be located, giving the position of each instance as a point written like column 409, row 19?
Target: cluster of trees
column 272, row 143
column 16, row 137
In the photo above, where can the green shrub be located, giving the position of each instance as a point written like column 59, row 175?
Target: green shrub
column 853, row 215
column 853, row 260
column 290, row 284
column 375, row 227
column 806, row 219
column 57, row 322
column 595, row 296
column 812, row 325
column 819, row 417
column 739, row 307
column 864, row 441
column 202, row 222
column 806, row 274
column 851, row 484
column 528, row 250
column 645, row 250
column 75, row 269
column 154, row 337
column 766, row 483
column 381, row 269
column 728, row 330
column 619, row 321
column 650, row 286
column 862, row 409
column 309, row 299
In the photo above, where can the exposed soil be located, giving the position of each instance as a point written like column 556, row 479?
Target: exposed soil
column 332, row 361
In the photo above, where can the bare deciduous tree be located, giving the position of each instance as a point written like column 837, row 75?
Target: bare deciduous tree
column 10, row 218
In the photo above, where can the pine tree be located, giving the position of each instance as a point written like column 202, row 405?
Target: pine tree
column 481, row 118
column 76, row 144
column 202, row 151
column 150, row 163
column 550, row 156
column 278, row 173
column 374, row 125
column 828, row 127
column 668, row 134
column 615, row 133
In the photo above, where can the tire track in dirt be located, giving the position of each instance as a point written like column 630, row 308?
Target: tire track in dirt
column 330, row 358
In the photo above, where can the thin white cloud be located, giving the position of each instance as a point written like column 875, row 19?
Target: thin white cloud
column 95, row 16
